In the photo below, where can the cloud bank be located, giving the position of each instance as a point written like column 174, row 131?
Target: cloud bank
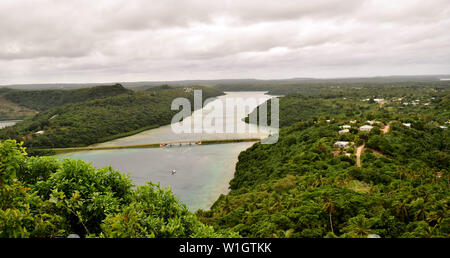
column 116, row 40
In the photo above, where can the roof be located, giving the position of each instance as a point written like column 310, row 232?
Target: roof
column 344, row 131
column 340, row 143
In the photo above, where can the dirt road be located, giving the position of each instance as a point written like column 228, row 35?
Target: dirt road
column 358, row 155
column 386, row 128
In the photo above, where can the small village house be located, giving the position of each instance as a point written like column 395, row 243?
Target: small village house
column 407, row 124
column 341, row 144
column 366, row 128
column 344, row 131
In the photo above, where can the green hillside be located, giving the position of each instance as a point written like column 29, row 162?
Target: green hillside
column 305, row 186
column 100, row 119
column 46, row 99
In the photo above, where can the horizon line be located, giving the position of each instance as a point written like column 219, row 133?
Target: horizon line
column 230, row 79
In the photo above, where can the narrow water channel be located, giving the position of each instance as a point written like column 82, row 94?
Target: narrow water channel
column 202, row 173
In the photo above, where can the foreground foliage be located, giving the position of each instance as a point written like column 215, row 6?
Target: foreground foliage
column 46, row 197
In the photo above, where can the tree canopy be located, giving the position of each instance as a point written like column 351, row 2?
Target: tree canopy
column 46, row 197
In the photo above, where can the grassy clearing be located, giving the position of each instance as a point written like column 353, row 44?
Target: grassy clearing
column 13, row 111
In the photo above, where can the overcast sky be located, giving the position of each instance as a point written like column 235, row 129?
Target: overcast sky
column 113, row 40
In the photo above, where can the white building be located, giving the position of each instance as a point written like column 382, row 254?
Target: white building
column 407, row 124
column 366, row 128
column 344, row 131
column 379, row 101
column 341, row 144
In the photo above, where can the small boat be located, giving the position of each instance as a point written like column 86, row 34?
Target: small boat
column 173, row 172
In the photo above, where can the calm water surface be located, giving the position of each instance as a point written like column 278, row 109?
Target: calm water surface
column 203, row 172
column 6, row 123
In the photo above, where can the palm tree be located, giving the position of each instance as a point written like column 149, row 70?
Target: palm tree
column 358, row 226
column 330, row 207
column 401, row 208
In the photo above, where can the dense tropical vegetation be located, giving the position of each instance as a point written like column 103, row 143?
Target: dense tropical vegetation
column 46, row 99
column 108, row 113
column 392, row 181
column 46, row 197
column 304, row 186
column 364, row 86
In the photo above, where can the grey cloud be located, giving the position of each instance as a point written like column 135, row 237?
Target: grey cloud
column 105, row 40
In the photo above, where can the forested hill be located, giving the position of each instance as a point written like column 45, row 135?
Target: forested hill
column 334, row 87
column 101, row 119
column 45, row 99
column 306, row 186
column 352, row 102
